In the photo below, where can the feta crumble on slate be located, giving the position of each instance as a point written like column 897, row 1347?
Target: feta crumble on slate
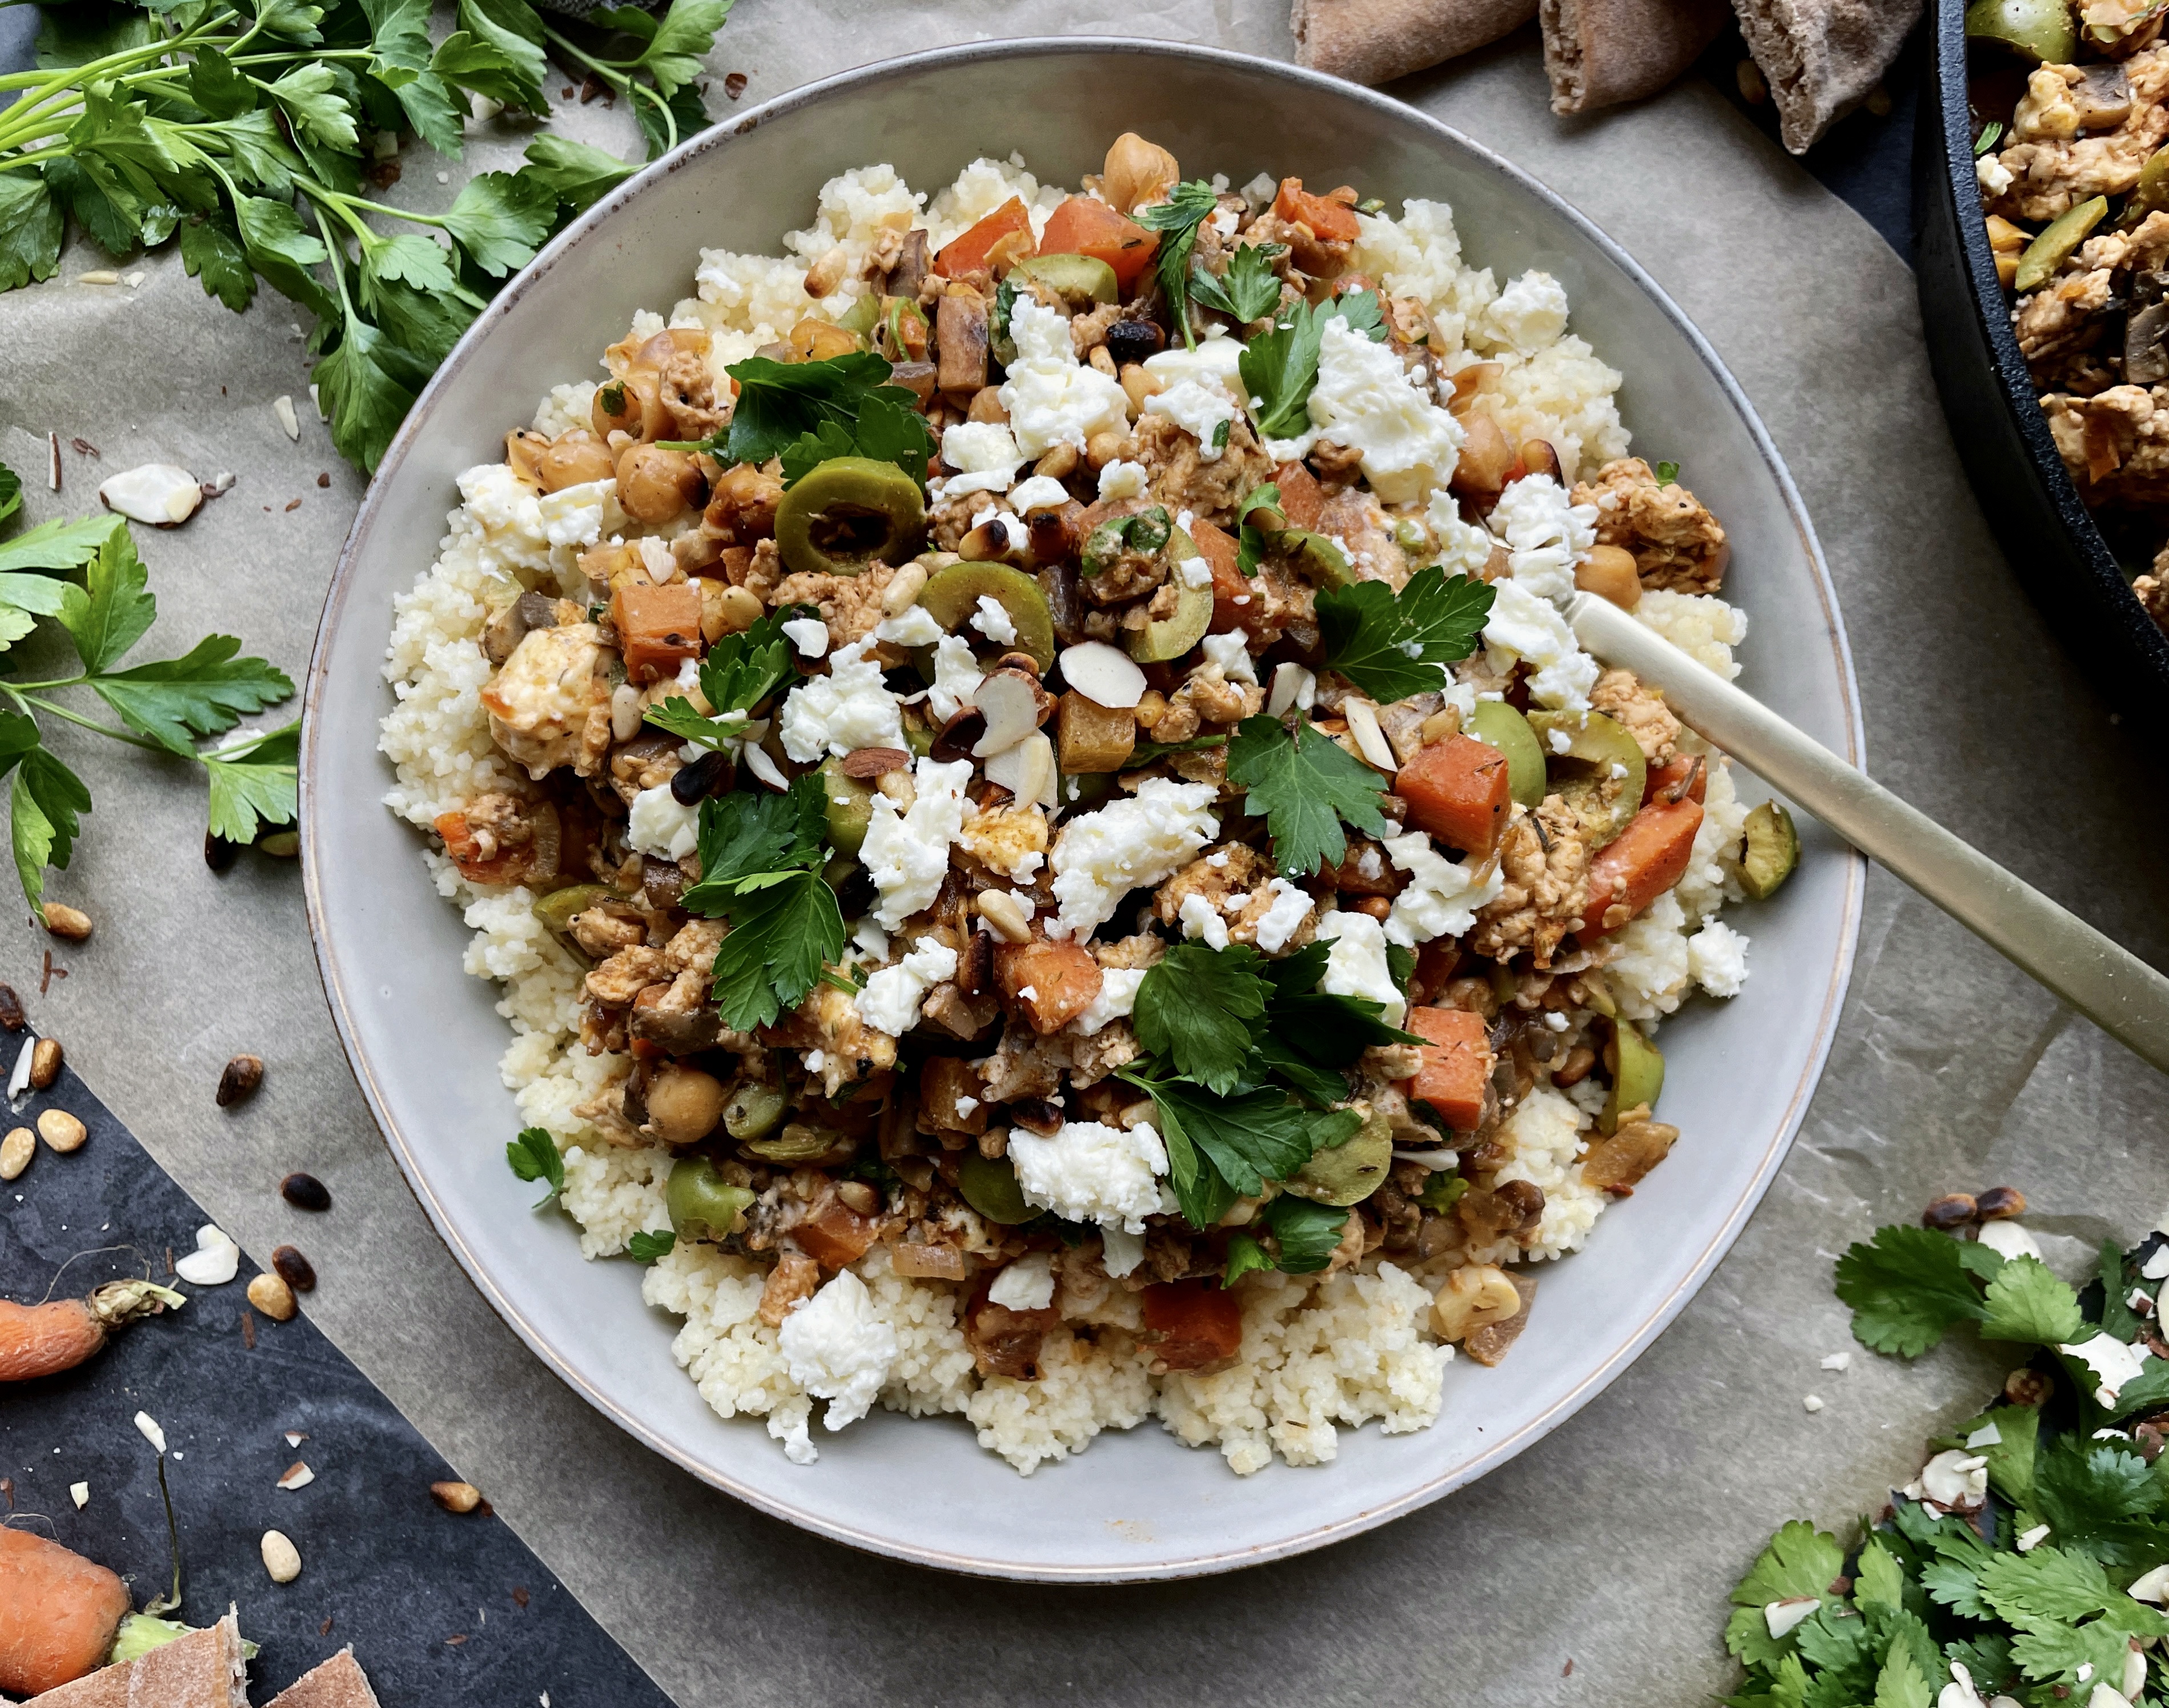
column 1019, row 867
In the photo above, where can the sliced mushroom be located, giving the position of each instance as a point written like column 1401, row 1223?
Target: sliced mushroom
column 960, row 337
column 2145, row 329
column 2102, row 97
column 912, row 263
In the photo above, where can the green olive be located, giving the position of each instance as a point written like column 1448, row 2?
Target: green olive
column 845, row 514
column 952, row 593
column 1315, row 557
column 1495, row 721
column 989, row 1186
column 862, row 317
column 754, row 1111
column 2150, row 195
column 1077, row 279
column 2053, row 246
column 1773, row 849
column 2038, row 31
column 1170, row 637
column 796, row 1143
column 702, row 1204
column 850, row 807
column 917, row 734
column 1637, row 1074
column 1599, row 771
column 1349, row 1171
column 1146, row 531
column 560, row 908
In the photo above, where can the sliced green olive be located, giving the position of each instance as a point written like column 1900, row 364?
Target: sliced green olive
column 796, row 1143
column 1637, row 1075
column 862, row 317
column 2150, row 195
column 2053, row 246
column 1147, row 531
column 1077, row 279
column 1600, row 771
column 702, row 1204
column 918, row 735
column 2039, row 30
column 952, row 594
column 1773, row 849
column 848, row 512
column 754, row 1111
column 1170, row 637
column 850, row 807
column 989, row 1186
column 1495, row 721
column 1315, row 557
column 1081, row 789
column 560, row 908
column 1349, row 1171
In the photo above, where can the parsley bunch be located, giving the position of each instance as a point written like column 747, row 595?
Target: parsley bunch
column 247, row 127
column 164, row 706
column 1246, row 1061
column 760, row 868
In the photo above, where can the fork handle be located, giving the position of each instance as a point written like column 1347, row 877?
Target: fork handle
column 2110, row 986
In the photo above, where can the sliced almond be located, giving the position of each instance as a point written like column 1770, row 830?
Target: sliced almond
column 874, row 762
column 1105, row 675
column 1293, row 686
column 1013, row 705
column 298, row 1475
column 1026, row 770
column 160, row 494
column 1371, row 740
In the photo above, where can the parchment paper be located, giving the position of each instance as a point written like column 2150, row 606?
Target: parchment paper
column 1611, row 1545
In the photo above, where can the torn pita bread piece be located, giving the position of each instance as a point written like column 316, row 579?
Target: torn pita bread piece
column 203, row 1670
column 1375, row 42
column 1599, row 53
column 339, row 1683
column 1821, row 56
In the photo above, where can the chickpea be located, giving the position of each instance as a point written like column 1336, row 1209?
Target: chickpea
column 572, row 460
column 1610, row 573
column 817, row 340
column 726, row 610
column 987, row 406
column 1137, row 171
column 631, row 404
column 653, row 484
column 743, row 501
column 525, row 451
column 684, row 1104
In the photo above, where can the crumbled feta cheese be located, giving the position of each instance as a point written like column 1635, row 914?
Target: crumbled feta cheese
column 1204, row 411
column 1121, row 1251
column 848, row 709
column 1088, row 1172
column 1812, row 1403
column 1546, row 533
column 1040, row 493
column 1442, row 897
column 965, row 1105
column 2156, row 1266
column 1463, row 547
column 1522, row 626
column 906, row 854
column 1531, row 312
column 2115, row 1365
column 2029, row 1539
column 915, row 627
column 957, row 677
column 1026, row 1284
column 1356, row 965
column 838, row 1348
column 991, row 620
column 808, row 634
column 1717, row 958
column 1217, row 362
column 662, row 825
column 1101, row 856
column 1199, row 918
column 576, row 515
column 1050, row 397
column 1993, row 176
column 890, row 1001
column 1365, row 401
column 984, row 454
column 1122, row 480
column 1988, row 1435
column 1838, row 1360
column 1232, row 652
column 1280, row 921
column 2008, row 1240
column 1561, row 742
column 79, row 1492
column 1116, row 1001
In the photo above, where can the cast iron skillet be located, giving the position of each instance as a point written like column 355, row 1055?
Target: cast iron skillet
column 2047, row 533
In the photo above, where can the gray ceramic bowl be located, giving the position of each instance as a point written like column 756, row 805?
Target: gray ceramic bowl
column 424, row 1039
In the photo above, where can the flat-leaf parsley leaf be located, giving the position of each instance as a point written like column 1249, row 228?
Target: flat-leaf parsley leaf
column 1305, row 787
column 1393, row 645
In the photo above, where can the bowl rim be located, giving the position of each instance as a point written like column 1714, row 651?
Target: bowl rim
column 1949, row 68
column 1203, row 1563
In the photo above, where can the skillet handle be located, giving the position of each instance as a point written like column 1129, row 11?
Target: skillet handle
column 2122, row 994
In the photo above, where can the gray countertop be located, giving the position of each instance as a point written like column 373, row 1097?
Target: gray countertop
column 1612, row 1544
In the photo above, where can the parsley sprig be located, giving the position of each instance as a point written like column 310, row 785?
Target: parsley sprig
column 760, row 868
column 1187, row 207
column 1392, row 645
column 808, row 413
column 246, row 132
column 1250, row 291
column 739, row 672
column 1306, row 786
column 84, row 578
column 1280, row 364
column 534, row 1155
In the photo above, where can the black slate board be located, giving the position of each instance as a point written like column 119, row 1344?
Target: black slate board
column 440, row 1610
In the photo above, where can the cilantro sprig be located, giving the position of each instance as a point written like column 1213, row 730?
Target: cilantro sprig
column 1306, row 787
column 84, row 578
column 245, row 134
column 1187, row 207
column 1392, row 645
column 740, row 671
column 760, row 861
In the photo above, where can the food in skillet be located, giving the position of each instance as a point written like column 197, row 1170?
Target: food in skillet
column 1049, row 855
column 2072, row 111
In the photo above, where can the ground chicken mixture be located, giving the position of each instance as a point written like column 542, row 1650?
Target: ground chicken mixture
column 2072, row 109
column 1050, row 854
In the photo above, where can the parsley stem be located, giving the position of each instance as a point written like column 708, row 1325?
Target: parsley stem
column 621, row 80
column 338, row 257
column 77, row 718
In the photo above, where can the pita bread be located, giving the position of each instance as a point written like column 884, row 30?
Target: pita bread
column 339, row 1683
column 203, row 1670
column 1820, row 56
column 1599, row 53
column 1374, row 41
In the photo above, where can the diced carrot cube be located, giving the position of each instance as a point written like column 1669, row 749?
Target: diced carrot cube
column 1303, row 500
column 1456, row 1066
column 1053, row 982
column 970, row 253
column 1190, row 1324
column 1328, row 216
column 658, row 628
column 1640, row 864
column 1458, row 790
column 1083, row 225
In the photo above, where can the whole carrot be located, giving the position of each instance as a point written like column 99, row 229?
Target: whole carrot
column 58, row 1613
column 39, row 1340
